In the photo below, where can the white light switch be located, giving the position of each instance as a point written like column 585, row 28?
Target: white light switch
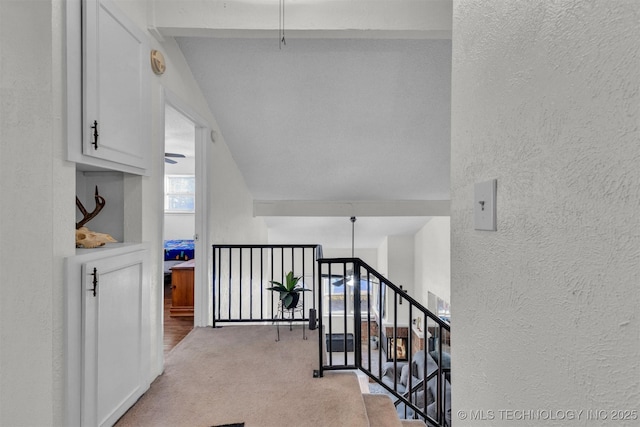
column 484, row 205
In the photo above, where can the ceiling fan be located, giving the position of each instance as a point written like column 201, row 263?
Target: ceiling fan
column 339, row 279
column 175, row 155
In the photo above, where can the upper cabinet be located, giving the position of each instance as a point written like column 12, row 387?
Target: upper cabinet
column 109, row 90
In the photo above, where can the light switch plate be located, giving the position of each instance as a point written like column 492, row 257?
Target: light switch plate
column 484, row 205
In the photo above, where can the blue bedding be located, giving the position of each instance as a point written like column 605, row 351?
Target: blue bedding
column 178, row 250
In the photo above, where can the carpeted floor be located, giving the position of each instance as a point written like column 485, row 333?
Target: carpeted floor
column 376, row 389
column 240, row 374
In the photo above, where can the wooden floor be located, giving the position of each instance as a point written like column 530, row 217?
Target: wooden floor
column 175, row 328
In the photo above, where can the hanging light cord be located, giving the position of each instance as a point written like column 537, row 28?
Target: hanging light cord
column 353, row 232
column 281, row 39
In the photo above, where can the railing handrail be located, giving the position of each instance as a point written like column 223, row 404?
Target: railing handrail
column 391, row 285
column 244, row 285
column 441, row 328
column 275, row 246
column 245, row 271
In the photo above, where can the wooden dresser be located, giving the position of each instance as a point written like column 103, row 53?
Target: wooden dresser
column 182, row 289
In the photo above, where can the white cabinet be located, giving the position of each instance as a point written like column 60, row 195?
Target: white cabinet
column 108, row 88
column 107, row 299
column 108, row 333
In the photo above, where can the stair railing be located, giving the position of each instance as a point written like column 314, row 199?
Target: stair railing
column 242, row 274
column 360, row 310
column 369, row 323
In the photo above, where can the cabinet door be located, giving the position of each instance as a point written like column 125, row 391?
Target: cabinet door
column 116, row 91
column 182, row 292
column 114, row 336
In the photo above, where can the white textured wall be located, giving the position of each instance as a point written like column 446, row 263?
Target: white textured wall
column 383, row 258
column 546, row 310
column 36, row 213
column 400, row 261
column 433, row 259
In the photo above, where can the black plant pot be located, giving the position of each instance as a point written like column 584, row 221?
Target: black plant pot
column 294, row 301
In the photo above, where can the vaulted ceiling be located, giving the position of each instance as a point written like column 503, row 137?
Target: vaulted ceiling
column 334, row 119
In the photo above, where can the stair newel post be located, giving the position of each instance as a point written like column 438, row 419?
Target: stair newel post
column 261, row 283
column 426, row 349
column 394, row 349
column 240, row 274
column 357, row 315
column 230, row 282
column 320, row 322
column 412, row 395
column 439, row 387
column 213, row 290
column 381, row 315
column 345, row 311
column 305, row 285
column 369, row 319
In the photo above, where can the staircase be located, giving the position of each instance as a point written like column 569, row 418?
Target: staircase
column 355, row 307
column 382, row 413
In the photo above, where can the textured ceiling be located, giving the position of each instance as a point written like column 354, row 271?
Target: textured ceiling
column 331, row 119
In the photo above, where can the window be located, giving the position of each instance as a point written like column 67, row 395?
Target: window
column 179, row 193
column 341, row 293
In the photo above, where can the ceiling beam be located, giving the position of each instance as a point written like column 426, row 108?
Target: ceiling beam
column 302, row 18
column 319, row 208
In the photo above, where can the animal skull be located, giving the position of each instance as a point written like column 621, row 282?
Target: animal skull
column 88, row 239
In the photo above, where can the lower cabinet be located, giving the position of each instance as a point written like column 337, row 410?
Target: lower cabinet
column 108, row 333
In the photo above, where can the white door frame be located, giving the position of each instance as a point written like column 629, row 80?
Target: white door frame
column 202, row 298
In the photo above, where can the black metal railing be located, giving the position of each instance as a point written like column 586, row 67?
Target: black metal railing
column 242, row 274
column 366, row 322
column 372, row 325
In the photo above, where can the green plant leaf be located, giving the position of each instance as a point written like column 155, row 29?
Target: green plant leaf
column 278, row 288
column 288, row 299
column 291, row 281
column 289, row 287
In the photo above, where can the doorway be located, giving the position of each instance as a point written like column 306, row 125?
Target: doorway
column 196, row 136
column 180, row 199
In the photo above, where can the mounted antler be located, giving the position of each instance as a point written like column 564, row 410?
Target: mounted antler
column 100, row 202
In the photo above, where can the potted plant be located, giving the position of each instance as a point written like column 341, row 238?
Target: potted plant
column 289, row 291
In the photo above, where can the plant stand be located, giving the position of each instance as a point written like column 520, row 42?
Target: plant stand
column 288, row 314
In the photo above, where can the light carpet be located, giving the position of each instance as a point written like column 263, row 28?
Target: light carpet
column 241, row 374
